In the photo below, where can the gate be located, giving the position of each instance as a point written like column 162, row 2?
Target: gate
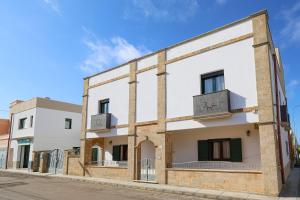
column 56, row 161
column 147, row 169
column 2, row 159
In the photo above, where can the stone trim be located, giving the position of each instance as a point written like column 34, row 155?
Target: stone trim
column 184, row 56
column 146, row 69
column 146, row 123
column 212, row 47
column 109, row 81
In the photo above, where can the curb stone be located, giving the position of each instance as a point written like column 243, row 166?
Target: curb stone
column 209, row 194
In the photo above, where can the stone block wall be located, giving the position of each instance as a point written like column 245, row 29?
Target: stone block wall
column 107, row 172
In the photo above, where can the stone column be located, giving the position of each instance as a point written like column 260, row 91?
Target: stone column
column 162, row 153
column 44, row 162
column 131, row 122
column 35, row 161
column 84, row 125
column 66, row 162
column 268, row 134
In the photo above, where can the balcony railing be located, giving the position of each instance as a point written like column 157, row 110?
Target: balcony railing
column 224, row 165
column 212, row 105
column 110, row 163
column 101, row 121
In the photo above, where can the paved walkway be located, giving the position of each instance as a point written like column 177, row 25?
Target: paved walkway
column 288, row 193
column 292, row 186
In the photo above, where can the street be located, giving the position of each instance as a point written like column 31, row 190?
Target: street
column 26, row 187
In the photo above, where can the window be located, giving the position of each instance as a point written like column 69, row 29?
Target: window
column 103, row 106
column 68, row 123
column 120, row 152
column 95, row 153
column 287, row 147
column 229, row 149
column 22, row 123
column 212, row 82
column 31, row 120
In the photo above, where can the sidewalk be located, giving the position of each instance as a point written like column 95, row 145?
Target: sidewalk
column 203, row 193
column 292, row 186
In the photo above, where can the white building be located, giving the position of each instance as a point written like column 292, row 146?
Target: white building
column 209, row 112
column 42, row 124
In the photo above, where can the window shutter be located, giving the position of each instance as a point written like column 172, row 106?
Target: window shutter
column 203, row 153
column 236, row 150
column 94, row 154
column 117, row 153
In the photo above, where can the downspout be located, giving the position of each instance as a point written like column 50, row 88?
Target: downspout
column 278, row 119
column 8, row 141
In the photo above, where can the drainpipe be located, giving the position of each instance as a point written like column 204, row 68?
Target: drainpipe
column 8, row 141
column 278, row 119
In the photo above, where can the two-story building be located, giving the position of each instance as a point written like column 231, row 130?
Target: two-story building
column 41, row 124
column 208, row 112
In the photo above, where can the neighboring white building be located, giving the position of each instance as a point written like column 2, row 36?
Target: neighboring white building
column 42, row 124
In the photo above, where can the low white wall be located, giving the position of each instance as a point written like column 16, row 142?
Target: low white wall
column 185, row 147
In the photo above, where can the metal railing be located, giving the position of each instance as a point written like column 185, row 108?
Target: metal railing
column 217, row 165
column 110, row 163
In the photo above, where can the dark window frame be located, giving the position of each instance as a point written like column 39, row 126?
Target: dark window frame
column 101, row 106
column 123, row 154
column 220, row 141
column 70, row 123
column 31, row 121
column 211, row 75
column 23, row 120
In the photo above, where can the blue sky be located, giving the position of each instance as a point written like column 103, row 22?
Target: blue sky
column 48, row 46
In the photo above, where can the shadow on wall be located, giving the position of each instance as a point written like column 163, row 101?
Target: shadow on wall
column 292, row 186
column 237, row 101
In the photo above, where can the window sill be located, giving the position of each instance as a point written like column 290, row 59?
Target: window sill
column 99, row 166
column 216, row 170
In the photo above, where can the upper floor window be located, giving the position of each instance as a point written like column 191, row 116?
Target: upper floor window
column 22, row 123
column 31, row 120
column 68, row 123
column 104, row 106
column 212, row 82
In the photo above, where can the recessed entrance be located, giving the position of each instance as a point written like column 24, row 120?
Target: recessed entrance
column 147, row 161
column 24, row 156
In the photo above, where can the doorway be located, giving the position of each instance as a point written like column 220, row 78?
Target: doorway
column 24, row 156
column 147, row 161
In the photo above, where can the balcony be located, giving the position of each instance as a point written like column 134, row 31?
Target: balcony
column 212, row 105
column 285, row 121
column 101, row 122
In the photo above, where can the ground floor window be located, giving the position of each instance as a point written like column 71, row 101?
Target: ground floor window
column 95, row 154
column 226, row 149
column 120, row 152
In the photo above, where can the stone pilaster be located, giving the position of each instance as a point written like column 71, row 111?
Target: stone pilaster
column 44, row 162
column 132, row 161
column 35, row 161
column 83, row 125
column 267, row 132
column 162, row 153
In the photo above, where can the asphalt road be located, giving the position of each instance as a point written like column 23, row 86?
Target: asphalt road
column 26, row 187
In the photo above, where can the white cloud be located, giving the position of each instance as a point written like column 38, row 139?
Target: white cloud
column 53, row 4
column 166, row 10
column 107, row 53
column 291, row 30
column 221, row 2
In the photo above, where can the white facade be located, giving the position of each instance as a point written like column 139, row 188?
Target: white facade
column 44, row 130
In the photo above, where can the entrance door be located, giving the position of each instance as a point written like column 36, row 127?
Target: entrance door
column 147, row 162
column 26, row 156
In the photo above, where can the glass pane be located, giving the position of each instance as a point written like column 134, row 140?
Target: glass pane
column 94, row 154
column 208, row 85
column 216, row 150
column 220, row 83
column 226, row 150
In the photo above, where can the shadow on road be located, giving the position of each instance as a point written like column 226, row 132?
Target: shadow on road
column 13, row 184
column 292, row 186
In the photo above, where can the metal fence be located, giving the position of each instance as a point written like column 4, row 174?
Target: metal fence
column 217, row 165
column 110, row 163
